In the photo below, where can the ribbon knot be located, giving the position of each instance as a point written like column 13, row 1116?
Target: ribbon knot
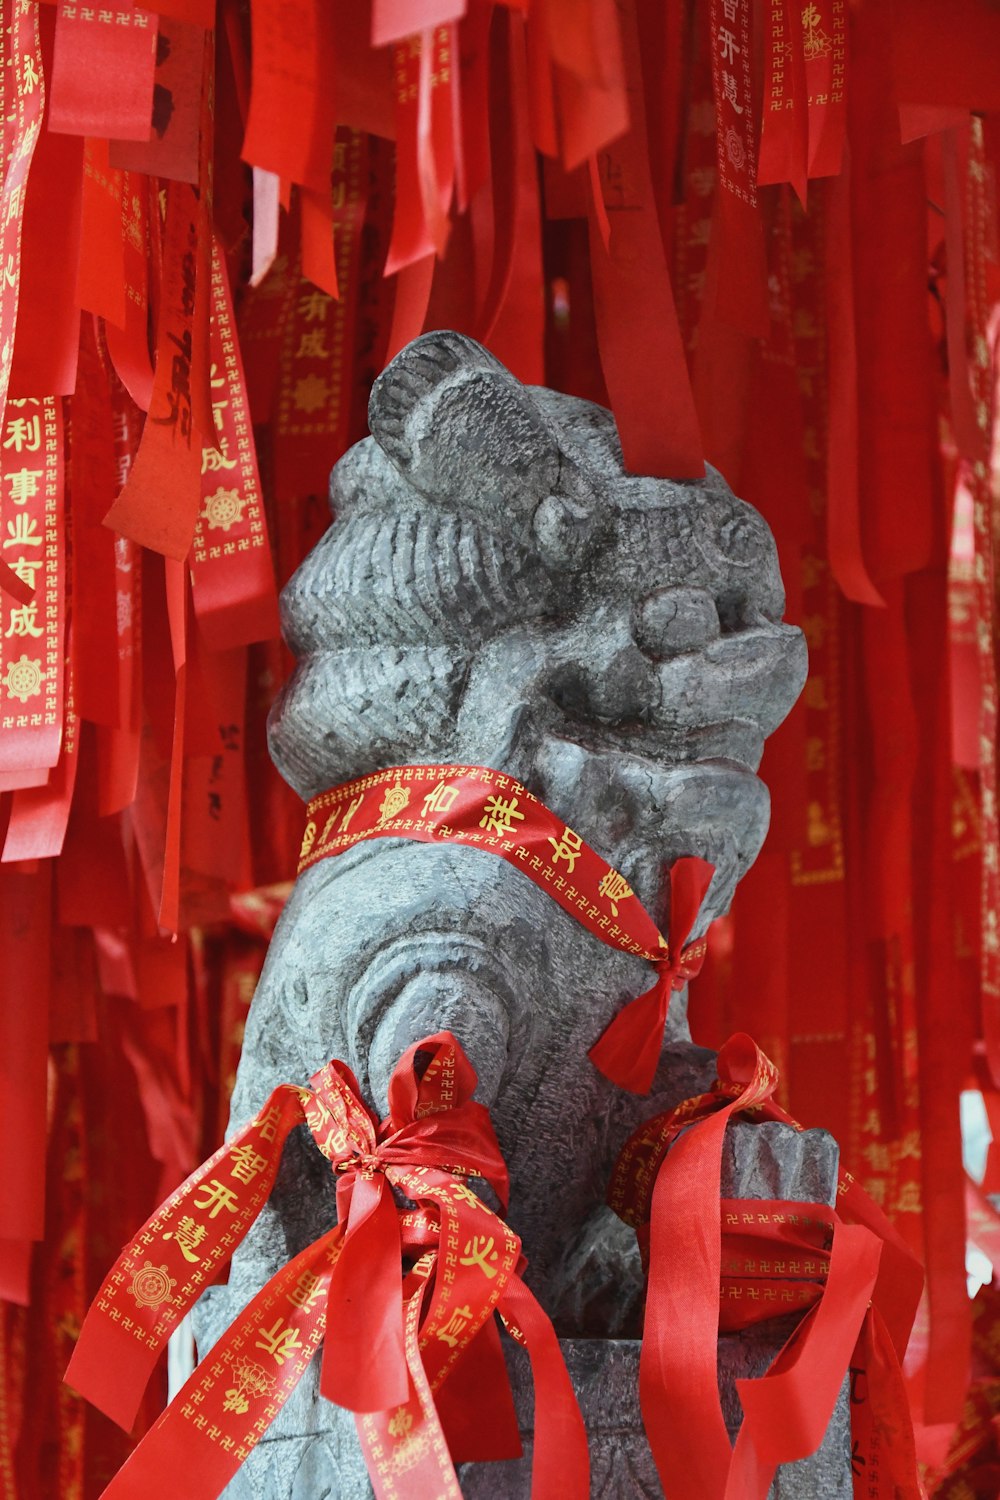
column 392, row 1331
column 629, row 1049
column 683, row 964
column 364, row 1163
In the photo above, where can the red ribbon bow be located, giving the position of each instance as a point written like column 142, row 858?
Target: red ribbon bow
column 392, row 1336
column 629, row 1049
column 666, row 1183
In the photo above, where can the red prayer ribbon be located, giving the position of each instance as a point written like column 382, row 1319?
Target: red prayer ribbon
column 666, row 1184
column 32, row 631
column 231, row 566
column 391, row 1337
column 488, row 810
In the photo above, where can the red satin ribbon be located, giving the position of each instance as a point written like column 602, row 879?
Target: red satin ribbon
column 391, row 1338
column 474, row 805
column 666, row 1184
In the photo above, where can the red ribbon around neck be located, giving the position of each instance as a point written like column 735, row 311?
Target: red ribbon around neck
column 488, row 810
column 392, row 1336
column 666, row 1184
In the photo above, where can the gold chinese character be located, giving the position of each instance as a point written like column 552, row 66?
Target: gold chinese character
column 908, row 1201
column 729, row 91
column 815, row 753
column 246, row 1164
column 26, row 568
column 349, row 814
column 23, row 531
column 216, row 1197
column 312, row 346
column 614, row 888
column 819, row 830
column 463, row 1194
column 308, row 839
column 478, row 1252
column 187, row 1237
column 455, row 1326
column 30, row 75
column 24, row 620
column 278, row 1341
column 498, row 814
column 400, row 1423
column 877, row 1156
column 313, row 305
column 14, row 202
column 814, row 630
column 306, row 1290
column 815, row 41
column 213, row 459
column 727, row 45
column 23, row 482
column 23, row 433
column 268, row 1124
column 567, row 847
column 441, row 799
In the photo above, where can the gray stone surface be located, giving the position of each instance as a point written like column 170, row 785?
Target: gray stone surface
column 495, row 589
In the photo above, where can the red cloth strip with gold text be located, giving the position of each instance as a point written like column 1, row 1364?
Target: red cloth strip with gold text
column 232, row 571
column 390, row 1340
column 32, row 633
column 775, row 1259
column 22, row 98
column 488, row 810
column 666, row 1183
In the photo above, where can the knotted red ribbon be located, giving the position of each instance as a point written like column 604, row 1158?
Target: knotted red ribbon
column 392, row 1335
column 666, row 1184
column 629, row 1048
column 488, row 810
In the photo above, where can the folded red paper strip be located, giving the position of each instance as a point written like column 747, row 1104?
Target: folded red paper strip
column 396, row 1297
column 488, row 810
column 666, row 1184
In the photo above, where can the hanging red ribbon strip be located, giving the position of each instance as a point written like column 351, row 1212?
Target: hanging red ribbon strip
column 666, row 1184
column 487, row 810
column 32, row 633
column 390, row 1337
column 232, row 571
column 22, row 95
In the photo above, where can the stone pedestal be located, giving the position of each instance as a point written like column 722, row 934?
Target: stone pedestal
column 605, row 1374
column 311, row 1452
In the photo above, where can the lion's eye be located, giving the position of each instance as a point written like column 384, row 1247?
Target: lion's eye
column 671, row 621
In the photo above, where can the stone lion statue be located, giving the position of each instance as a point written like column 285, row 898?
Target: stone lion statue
column 496, row 590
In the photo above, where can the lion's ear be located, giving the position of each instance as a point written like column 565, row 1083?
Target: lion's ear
column 462, row 430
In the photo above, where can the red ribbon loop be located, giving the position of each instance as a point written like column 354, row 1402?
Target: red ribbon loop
column 666, row 1184
column 391, row 1340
